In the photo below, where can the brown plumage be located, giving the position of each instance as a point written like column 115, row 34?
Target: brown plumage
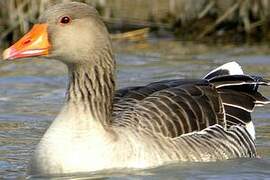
column 137, row 127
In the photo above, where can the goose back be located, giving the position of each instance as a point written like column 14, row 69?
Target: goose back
column 177, row 107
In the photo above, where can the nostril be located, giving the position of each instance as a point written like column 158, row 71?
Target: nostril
column 27, row 41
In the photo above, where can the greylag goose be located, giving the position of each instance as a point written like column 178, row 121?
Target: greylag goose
column 136, row 127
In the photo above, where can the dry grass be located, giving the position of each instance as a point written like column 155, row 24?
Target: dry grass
column 17, row 16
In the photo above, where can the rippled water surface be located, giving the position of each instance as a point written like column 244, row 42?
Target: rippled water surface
column 32, row 92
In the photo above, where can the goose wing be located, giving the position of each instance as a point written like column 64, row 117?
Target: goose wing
column 171, row 111
column 177, row 107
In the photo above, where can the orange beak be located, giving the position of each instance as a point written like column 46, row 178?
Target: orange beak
column 34, row 43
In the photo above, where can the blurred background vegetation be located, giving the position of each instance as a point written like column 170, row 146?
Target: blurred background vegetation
column 237, row 21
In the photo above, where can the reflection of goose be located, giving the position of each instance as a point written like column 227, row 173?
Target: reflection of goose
column 136, row 127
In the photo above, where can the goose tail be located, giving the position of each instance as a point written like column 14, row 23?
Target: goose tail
column 239, row 94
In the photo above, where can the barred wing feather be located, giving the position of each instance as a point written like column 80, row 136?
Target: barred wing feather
column 172, row 111
column 207, row 119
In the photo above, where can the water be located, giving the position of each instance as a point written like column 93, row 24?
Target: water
column 32, row 92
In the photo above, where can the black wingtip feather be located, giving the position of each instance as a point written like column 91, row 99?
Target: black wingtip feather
column 242, row 83
column 239, row 96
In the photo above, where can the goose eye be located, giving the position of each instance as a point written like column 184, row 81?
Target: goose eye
column 65, row 20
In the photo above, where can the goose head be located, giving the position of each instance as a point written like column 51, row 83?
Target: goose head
column 75, row 34
column 70, row 32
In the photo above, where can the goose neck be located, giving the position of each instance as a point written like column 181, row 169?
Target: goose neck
column 91, row 90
